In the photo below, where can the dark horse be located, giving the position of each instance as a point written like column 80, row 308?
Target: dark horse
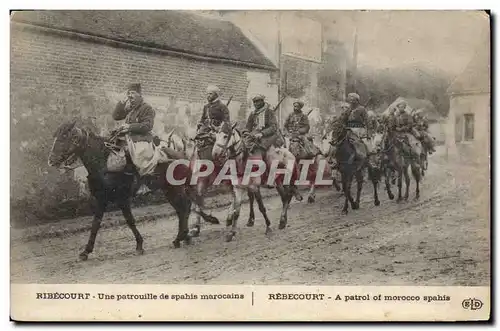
column 72, row 140
column 400, row 157
column 378, row 166
column 350, row 164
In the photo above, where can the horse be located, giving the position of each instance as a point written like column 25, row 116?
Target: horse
column 400, row 158
column 377, row 167
column 202, row 151
column 351, row 165
column 325, row 150
column 75, row 141
column 314, row 167
column 229, row 145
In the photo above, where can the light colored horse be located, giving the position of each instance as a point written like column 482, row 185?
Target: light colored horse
column 229, row 146
column 319, row 165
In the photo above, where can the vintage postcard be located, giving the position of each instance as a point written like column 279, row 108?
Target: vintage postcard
column 257, row 165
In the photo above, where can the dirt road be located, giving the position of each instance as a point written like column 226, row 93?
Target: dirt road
column 442, row 239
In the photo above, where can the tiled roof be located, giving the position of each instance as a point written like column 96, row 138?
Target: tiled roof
column 178, row 31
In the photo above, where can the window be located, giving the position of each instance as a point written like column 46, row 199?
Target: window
column 464, row 128
column 468, row 127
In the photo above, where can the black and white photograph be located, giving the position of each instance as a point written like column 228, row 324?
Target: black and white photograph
column 251, row 147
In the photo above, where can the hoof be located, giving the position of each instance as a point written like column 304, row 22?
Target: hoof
column 377, row 203
column 139, row 251
column 177, row 244
column 84, row 256
column 417, row 197
column 194, row 232
column 268, row 230
column 355, row 205
column 299, row 198
column 212, row 219
column 406, row 198
column 282, row 225
column 344, row 211
column 188, row 240
column 311, row 199
column 229, row 237
column 398, row 200
column 391, row 196
column 250, row 223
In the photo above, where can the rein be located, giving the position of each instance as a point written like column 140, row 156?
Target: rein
column 237, row 150
column 83, row 135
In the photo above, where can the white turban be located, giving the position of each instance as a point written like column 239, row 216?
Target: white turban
column 353, row 95
column 213, row 89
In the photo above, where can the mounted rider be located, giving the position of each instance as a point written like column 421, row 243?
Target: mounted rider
column 214, row 114
column 421, row 125
column 404, row 128
column 135, row 133
column 262, row 127
column 354, row 119
column 261, row 132
column 297, row 127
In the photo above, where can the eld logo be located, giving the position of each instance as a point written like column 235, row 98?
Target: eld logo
column 472, row 304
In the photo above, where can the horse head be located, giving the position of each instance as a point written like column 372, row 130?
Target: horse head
column 176, row 142
column 68, row 140
column 226, row 137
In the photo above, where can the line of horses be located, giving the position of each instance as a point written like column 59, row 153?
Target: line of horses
column 390, row 159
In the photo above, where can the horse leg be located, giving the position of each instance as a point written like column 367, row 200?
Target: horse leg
column 346, row 187
column 286, row 194
column 388, row 174
column 96, row 224
column 311, row 198
column 375, row 180
column 129, row 218
column 262, row 209
column 195, row 231
column 400, row 183
column 407, row 182
column 230, row 212
column 251, row 216
column 312, row 194
column 336, row 185
column 182, row 206
column 422, row 163
column 417, row 175
column 237, row 196
column 201, row 189
column 359, row 188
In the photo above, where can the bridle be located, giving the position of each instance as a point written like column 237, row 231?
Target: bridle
column 82, row 141
column 235, row 148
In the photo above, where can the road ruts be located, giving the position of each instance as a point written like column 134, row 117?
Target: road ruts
column 437, row 240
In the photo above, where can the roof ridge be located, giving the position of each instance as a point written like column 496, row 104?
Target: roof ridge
column 180, row 31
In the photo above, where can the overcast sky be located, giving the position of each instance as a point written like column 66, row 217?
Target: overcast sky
column 443, row 39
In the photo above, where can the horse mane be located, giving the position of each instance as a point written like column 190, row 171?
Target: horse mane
column 226, row 128
column 81, row 123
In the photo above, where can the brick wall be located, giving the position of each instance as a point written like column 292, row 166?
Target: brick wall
column 56, row 77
